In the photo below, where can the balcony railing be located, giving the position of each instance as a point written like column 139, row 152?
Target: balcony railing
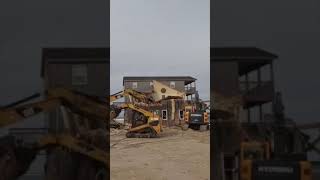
column 251, row 86
column 254, row 91
column 190, row 90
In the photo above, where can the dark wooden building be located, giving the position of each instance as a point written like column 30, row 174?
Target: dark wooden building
column 83, row 69
column 245, row 71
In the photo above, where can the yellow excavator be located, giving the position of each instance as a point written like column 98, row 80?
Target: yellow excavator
column 146, row 124
column 256, row 163
column 85, row 135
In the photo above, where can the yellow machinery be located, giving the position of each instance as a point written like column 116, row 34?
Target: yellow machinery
column 256, row 164
column 196, row 116
column 196, row 119
column 130, row 92
column 86, row 136
column 146, row 125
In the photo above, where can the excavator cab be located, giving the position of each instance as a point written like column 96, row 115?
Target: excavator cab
column 254, row 151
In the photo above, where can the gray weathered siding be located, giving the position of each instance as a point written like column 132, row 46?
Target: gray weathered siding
column 144, row 86
column 59, row 75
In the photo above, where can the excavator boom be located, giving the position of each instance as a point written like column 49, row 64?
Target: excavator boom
column 92, row 143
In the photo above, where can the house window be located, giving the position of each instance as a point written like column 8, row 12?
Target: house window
column 181, row 113
column 163, row 96
column 172, row 84
column 164, row 115
column 134, row 85
column 79, row 74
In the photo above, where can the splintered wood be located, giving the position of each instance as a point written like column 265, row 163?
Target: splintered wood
column 226, row 107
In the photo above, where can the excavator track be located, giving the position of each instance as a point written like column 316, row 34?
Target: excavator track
column 140, row 135
column 146, row 133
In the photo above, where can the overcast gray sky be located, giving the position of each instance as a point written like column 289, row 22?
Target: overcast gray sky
column 160, row 38
column 290, row 29
column 28, row 26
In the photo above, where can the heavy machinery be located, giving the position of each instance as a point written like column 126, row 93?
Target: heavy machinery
column 257, row 163
column 196, row 116
column 255, row 159
column 84, row 137
column 144, row 123
column 141, row 97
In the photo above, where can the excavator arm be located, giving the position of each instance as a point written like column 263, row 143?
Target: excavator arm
column 149, row 128
column 92, row 143
column 13, row 115
column 141, row 97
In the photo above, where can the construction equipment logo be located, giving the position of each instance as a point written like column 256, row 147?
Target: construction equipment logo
column 270, row 169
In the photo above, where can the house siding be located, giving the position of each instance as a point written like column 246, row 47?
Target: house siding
column 58, row 73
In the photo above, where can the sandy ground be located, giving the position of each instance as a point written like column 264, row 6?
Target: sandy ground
column 175, row 155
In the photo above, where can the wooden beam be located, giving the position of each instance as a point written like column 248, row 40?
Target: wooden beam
column 309, row 126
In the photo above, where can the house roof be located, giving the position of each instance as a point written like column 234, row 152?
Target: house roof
column 248, row 58
column 241, row 53
column 186, row 79
column 73, row 55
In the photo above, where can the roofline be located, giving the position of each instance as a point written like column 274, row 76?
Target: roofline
column 270, row 55
column 177, row 78
column 76, row 52
column 242, row 57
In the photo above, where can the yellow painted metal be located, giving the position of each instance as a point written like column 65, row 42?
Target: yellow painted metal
column 87, row 106
column 75, row 145
column 205, row 117
column 305, row 170
column 13, row 115
column 246, row 170
column 130, row 92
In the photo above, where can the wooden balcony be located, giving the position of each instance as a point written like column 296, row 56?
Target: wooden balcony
column 190, row 90
column 255, row 93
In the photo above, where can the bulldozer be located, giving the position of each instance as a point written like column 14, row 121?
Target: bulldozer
column 84, row 141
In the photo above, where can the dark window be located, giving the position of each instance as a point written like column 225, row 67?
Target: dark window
column 134, row 85
column 181, row 113
column 79, row 74
column 164, row 114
